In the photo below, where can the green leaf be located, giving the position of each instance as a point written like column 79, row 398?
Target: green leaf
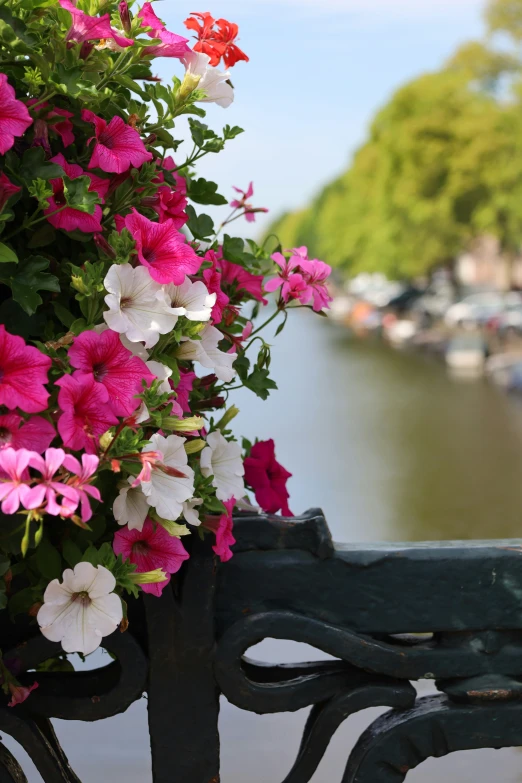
column 242, row 366
column 234, row 249
column 35, row 166
column 63, row 314
column 5, row 564
column 260, row 383
column 3, row 595
column 48, row 560
column 43, row 236
column 7, row 256
column 72, row 553
column 231, row 133
column 77, row 196
column 201, row 227
column 204, row 192
column 21, row 601
column 29, row 279
column 70, row 81
column 130, row 84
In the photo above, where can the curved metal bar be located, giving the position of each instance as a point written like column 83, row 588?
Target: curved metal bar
column 38, row 739
column 401, row 740
column 325, row 719
column 10, row 769
column 90, row 695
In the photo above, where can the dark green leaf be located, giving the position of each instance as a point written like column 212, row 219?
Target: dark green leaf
column 48, row 560
column 29, row 279
column 260, row 383
column 35, row 166
column 242, row 366
column 204, row 192
column 200, row 226
column 77, row 196
column 7, row 256
column 234, row 249
column 72, row 553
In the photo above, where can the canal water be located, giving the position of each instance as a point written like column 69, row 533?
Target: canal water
column 391, row 448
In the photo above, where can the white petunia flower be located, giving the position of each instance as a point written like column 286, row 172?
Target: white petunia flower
column 211, row 80
column 190, row 512
column 138, row 306
column 162, row 373
column 207, row 353
column 167, row 493
column 222, row 460
column 191, row 300
column 82, row 609
column 131, row 507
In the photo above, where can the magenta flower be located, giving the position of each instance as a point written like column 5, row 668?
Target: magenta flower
column 86, row 414
column 23, row 374
column 64, row 128
column 91, row 28
column 316, row 273
column 69, row 219
column 296, row 287
column 7, row 189
column 35, row 434
column 162, row 249
column 222, row 527
column 14, row 117
column 212, row 278
column 149, row 549
column 267, row 478
column 233, row 274
column 118, row 146
column 14, row 490
column 80, row 483
column 287, row 267
column 171, row 45
column 242, row 203
column 115, row 370
column 19, row 693
column 183, row 389
column 169, row 205
column 48, row 489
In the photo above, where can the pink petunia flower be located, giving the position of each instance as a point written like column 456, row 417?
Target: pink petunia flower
column 48, row 489
column 212, row 278
column 118, row 146
column 14, row 116
column 222, row 526
column 86, row 414
column 242, row 203
column 69, row 218
column 91, row 28
column 169, row 205
column 267, row 478
column 14, row 490
column 19, row 693
column 171, row 45
column 7, row 189
column 116, row 371
column 23, row 374
column 149, row 549
column 80, row 483
column 35, row 434
column 162, row 249
column 64, row 128
column 184, row 388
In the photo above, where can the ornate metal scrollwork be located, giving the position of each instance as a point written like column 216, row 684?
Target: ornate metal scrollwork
column 369, row 608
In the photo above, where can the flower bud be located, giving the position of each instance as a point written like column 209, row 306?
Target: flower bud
column 227, row 417
column 193, row 446
column 106, row 439
column 190, row 424
column 101, row 242
column 188, row 85
column 148, row 577
column 125, row 19
column 78, row 283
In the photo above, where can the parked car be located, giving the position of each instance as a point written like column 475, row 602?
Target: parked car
column 480, row 308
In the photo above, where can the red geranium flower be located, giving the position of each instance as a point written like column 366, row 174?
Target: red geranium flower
column 267, row 478
column 216, row 39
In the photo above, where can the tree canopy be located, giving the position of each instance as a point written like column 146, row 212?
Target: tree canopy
column 442, row 165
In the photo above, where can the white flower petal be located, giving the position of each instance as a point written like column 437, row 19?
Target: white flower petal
column 191, row 299
column 131, row 507
column 162, row 374
column 212, row 81
column 168, row 493
column 190, row 511
column 207, row 353
column 222, row 460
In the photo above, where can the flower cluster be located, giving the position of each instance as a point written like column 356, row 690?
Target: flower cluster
column 126, row 317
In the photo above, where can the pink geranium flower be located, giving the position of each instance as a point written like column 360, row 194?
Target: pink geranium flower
column 183, row 389
column 316, row 273
column 162, row 249
column 48, row 489
column 86, row 414
column 296, row 287
column 7, row 189
column 222, row 526
column 242, row 203
column 116, row 370
column 118, row 146
column 91, row 28
column 69, row 219
column 171, row 45
column 267, row 478
column 149, row 549
column 35, row 434
column 14, row 117
column 14, row 490
column 23, row 374
column 80, row 483
column 19, row 693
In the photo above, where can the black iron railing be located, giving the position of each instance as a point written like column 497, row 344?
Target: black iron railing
column 389, row 614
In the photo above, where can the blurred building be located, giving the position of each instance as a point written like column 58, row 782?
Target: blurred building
column 485, row 266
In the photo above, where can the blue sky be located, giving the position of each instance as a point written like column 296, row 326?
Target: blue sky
column 318, row 71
